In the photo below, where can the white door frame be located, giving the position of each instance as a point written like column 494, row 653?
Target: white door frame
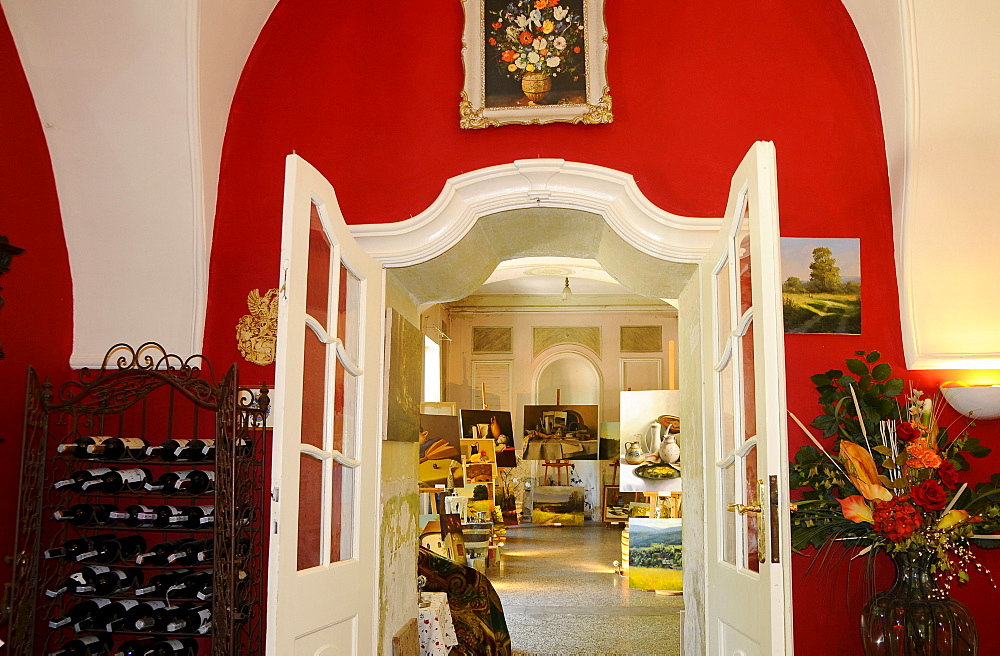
column 553, row 183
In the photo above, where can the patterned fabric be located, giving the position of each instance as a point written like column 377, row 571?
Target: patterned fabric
column 475, row 607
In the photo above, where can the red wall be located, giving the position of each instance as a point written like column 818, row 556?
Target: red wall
column 36, row 321
column 368, row 93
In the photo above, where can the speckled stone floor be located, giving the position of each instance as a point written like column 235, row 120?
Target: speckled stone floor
column 562, row 597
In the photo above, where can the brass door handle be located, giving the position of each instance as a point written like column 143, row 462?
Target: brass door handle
column 744, row 510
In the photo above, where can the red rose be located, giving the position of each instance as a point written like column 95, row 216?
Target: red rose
column 948, row 474
column 930, row 495
column 493, row 41
column 525, row 38
column 497, row 25
column 896, row 519
column 907, row 431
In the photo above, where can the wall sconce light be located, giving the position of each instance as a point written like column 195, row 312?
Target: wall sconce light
column 975, row 402
column 567, row 293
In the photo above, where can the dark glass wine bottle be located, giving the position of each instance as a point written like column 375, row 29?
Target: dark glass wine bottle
column 78, row 447
column 174, row 647
column 189, row 586
column 135, row 515
column 87, row 514
column 161, row 584
column 184, row 450
column 112, row 616
column 91, row 645
column 124, row 549
column 116, row 448
column 208, row 553
column 194, row 517
column 136, row 647
column 78, row 478
column 188, row 553
column 80, row 581
column 117, row 580
column 71, row 549
column 158, row 555
column 186, row 481
column 119, row 480
column 190, row 619
column 80, row 615
column 147, row 616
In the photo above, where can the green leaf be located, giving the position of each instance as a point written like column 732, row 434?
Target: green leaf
column 846, row 381
column 871, row 357
column 819, row 380
column 884, row 450
column 897, row 484
column 885, row 480
column 980, row 451
column 824, row 421
column 882, row 371
column 961, row 464
column 889, row 464
column 857, row 366
column 902, row 458
column 894, row 387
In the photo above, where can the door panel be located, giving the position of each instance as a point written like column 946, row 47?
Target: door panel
column 325, row 458
column 748, row 595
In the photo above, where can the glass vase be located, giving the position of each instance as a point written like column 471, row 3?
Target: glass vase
column 915, row 617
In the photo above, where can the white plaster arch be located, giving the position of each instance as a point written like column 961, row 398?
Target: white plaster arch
column 563, row 352
column 531, row 183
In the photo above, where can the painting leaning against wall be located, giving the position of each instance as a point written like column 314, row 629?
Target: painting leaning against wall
column 821, row 288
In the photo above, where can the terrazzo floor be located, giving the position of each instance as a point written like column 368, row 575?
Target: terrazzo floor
column 562, row 597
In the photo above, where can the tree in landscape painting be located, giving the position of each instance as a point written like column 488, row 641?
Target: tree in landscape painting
column 826, row 302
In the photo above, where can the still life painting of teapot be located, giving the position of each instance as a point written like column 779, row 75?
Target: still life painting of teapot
column 660, row 439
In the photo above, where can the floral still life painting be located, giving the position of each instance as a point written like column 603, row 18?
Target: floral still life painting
column 534, row 61
column 885, row 475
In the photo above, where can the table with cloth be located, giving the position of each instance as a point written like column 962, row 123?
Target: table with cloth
column 435, row 626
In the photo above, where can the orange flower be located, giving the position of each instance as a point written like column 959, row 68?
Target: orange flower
column 548, row 26
column 576, row 49
column 923, row 458
column 541, row 4
column 525, row 38
column 856, row 510
column 508, row 55
column 493, row 41
column 862, row 471
column 497, row 25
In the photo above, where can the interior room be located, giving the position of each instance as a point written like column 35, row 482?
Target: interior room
column 235, row 232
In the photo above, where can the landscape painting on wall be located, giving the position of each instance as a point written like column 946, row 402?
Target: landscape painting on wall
column 821, row 285
column 655, row 555
column 557, row 504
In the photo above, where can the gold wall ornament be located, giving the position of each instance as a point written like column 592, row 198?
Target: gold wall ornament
column 599, row 113
column 257, row 332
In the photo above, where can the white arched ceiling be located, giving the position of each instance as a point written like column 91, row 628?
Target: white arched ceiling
column 134, row 97
column 935, row 68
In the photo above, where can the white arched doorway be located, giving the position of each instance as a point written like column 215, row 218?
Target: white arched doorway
column 564, row 209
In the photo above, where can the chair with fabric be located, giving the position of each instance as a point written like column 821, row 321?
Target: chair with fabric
column 475, row 606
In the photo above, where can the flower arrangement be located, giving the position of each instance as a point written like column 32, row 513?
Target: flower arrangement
column 537, row 36
column 892, row 478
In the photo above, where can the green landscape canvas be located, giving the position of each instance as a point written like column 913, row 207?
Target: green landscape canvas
column 655, row 560
column 821, row 285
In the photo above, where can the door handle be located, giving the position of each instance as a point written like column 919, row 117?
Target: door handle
column 744, row 510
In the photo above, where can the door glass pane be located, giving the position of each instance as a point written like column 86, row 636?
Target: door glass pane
column 345, row 411
column 342, row 511
column 743, row 258
column 313, row 389
column 347, row 391
column 752, row 494
column 749, row 390
column 728, row 496
column 318, row 271
column 724, row 326
column 349, row 313
column 727, row 419
column 310, row 511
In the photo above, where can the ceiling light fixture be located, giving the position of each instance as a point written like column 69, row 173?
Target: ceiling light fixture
column 567, row 293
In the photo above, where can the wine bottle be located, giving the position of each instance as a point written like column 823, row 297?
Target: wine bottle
column 187, row 481
column 87, row 514
column 77, row 479
column 117, row 580
column 191, row 586
column 124, row 548
column 193, row 517
column 135, row 515
column 161, row 584
column 147, row 616
column 78, row 448
column 174, row 647
column 80, row 581
column 116, row 448
column 91, row 645
column 112, row 615
column 158, row 555
column 208, row 553
column 71, row 549
column 117, row 480
column 242, row 578
column 191, row 450
column 80, row 615
column 189, row 552
column 136, row 647
column 190, row 619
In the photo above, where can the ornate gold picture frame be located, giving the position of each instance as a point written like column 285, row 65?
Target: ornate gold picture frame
column 534, row 62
